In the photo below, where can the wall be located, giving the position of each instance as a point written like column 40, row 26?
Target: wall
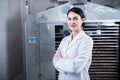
column 11, row 64
column 3, row 60
column 111, row 3
column 37, row 6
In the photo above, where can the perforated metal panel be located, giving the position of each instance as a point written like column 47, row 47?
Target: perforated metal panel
column 58, row 38
column 105, row 51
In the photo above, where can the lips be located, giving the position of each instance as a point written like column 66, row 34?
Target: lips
column 72, row 26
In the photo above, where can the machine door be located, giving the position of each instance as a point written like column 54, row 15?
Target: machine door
column 39, row 50
column 105, row 51
column 32, row 52
column 47, row 50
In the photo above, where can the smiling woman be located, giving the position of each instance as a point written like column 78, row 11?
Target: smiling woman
column 74, row 54
column 75, row 20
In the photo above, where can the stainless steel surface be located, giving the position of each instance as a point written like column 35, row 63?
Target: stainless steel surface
column 47, row 50
column 93, row 12
column 36, row 6
column 39, row 50
column 31, row 50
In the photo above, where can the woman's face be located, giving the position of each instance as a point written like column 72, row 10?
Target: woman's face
column 74, row 21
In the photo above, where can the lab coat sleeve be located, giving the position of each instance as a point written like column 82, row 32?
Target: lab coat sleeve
column 54, row 63
column 80, row 61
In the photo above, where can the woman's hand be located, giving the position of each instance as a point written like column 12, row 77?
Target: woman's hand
column 58, row 55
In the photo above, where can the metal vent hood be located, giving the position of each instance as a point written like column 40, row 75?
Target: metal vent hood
column 73, row 1
column 93, row 12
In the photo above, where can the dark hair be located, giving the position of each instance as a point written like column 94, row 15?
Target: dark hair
column 77, row 11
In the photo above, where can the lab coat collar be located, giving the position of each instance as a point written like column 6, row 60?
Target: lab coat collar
column 76, row 39
column 78, row 36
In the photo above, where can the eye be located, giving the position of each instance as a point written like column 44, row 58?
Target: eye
column 75, row 18
column 69, row 18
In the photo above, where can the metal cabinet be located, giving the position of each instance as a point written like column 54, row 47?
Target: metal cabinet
column 39, row 50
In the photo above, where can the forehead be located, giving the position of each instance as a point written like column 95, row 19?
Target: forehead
column 72, row 14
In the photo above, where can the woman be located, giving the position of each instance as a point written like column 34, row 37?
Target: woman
column 74, row 54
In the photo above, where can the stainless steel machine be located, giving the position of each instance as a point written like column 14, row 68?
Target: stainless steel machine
column 44, row 31
column 40, row 48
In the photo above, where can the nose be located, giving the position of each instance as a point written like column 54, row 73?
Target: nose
column 72, row 22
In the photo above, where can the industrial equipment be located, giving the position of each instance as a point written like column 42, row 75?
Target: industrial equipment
column 44, row 31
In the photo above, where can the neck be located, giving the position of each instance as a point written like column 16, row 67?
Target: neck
column 74, row 33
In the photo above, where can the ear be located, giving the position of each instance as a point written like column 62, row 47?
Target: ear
column 83, row 23
column 83, row 19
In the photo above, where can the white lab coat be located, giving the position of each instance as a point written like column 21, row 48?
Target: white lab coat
column 77, row 56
